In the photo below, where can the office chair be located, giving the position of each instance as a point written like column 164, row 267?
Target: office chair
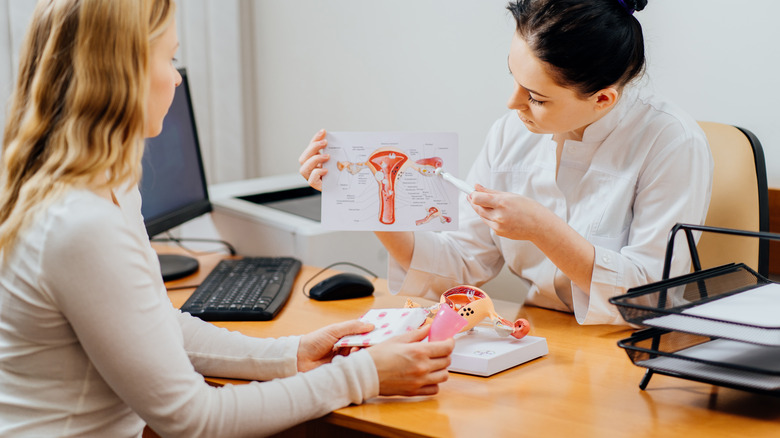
column 740, row 199
column 738, row 213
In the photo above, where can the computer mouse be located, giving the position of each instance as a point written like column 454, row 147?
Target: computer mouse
column 342, row 286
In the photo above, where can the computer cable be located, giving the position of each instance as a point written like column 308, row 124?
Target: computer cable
column 305, row 291
column 178, row 241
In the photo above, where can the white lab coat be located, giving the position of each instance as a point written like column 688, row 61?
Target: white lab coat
column 640, row 169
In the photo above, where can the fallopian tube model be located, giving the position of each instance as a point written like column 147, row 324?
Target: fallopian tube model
column 433, row 212
column 387, row 164
column 475, row 305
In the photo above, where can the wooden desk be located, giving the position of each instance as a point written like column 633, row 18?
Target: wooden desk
column 586, row 386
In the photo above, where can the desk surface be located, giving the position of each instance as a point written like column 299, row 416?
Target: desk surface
column 586, row 385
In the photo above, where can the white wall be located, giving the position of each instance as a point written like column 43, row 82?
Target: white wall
column 365, row 65
column 719, row 59
column 213, row 51
column 268, row 73
column 432, row 65
column 14, row 17
column 429, row 65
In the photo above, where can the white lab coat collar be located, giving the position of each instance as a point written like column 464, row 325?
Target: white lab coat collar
column 599, row 130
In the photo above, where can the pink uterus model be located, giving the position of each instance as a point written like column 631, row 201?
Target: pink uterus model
column 387, row 165
column 474, row 304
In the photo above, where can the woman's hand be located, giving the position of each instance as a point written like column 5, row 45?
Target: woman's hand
column 520, row 218
column 408, row 367
column 510, row 215
column 316, row 348
column 311, row 160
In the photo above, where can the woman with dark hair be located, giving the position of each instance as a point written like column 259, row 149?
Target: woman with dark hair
column 578, row 186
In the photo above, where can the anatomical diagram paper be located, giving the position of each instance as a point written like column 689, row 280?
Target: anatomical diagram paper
column 387, row 181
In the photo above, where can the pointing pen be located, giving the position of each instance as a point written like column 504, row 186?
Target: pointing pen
column 463, row 186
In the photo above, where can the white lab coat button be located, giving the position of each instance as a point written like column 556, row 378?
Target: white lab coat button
column 606, row 259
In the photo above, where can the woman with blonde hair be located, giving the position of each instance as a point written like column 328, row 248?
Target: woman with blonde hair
column 89, row 342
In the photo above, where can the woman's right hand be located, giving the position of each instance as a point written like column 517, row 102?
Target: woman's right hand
column 409, row 367
column 311, row 160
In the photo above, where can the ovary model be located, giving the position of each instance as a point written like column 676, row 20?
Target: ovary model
column 387, row 165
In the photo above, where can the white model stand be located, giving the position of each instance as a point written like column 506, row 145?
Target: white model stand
column 482, row 352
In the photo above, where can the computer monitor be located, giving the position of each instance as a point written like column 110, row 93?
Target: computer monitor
column 173, row 184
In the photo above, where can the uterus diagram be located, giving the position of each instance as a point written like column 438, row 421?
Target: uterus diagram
column 388, row 182
column 387, row 165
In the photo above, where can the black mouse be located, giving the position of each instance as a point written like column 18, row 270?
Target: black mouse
column 341, row 286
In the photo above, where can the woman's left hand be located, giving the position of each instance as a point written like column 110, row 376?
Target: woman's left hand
column 518, row 217
column 313, row 158
column 508, row 214
column 316, row 348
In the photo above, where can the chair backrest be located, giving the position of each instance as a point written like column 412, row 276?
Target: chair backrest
column 739, row 199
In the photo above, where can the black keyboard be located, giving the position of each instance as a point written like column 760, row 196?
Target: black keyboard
column 248, row 289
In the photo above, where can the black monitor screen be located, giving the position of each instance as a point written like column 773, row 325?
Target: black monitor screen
column 173, row 184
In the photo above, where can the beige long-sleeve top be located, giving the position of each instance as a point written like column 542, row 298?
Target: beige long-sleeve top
column 90, row 345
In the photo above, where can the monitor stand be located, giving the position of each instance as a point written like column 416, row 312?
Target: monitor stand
column 174, row 266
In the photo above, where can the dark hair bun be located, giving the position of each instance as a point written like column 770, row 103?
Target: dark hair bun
column 636, row 5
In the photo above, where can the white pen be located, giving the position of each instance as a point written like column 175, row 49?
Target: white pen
column 463, row 186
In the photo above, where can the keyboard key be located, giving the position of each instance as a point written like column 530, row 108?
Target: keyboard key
column 248, row 289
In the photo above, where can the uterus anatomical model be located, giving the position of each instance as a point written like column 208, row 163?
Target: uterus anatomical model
column 387, row 165
column 474, row 304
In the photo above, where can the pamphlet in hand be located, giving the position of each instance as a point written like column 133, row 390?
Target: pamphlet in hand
column 387, row 181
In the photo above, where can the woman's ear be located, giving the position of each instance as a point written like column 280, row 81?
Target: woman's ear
column 604, row 99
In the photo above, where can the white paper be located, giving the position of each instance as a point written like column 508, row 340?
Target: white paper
column 765, row 360
column 759, row 306
column 720, row 329
column 736, row 353
column 406, row 195
column 758, row 309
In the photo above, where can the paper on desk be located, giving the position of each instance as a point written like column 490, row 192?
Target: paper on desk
column 386, row 181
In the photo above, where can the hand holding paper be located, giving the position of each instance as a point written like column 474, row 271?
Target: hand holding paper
column 387, row 324
column 386, row 181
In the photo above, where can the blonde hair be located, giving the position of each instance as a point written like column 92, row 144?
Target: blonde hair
column 77, row 114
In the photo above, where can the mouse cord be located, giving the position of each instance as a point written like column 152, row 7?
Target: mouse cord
column 305, row 291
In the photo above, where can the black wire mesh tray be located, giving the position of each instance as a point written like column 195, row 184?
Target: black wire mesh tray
column 710, row 360
column 685, row 304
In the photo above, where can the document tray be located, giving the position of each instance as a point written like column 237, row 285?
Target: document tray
column 716, row 361
column 680, row 304
column 715, row 325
